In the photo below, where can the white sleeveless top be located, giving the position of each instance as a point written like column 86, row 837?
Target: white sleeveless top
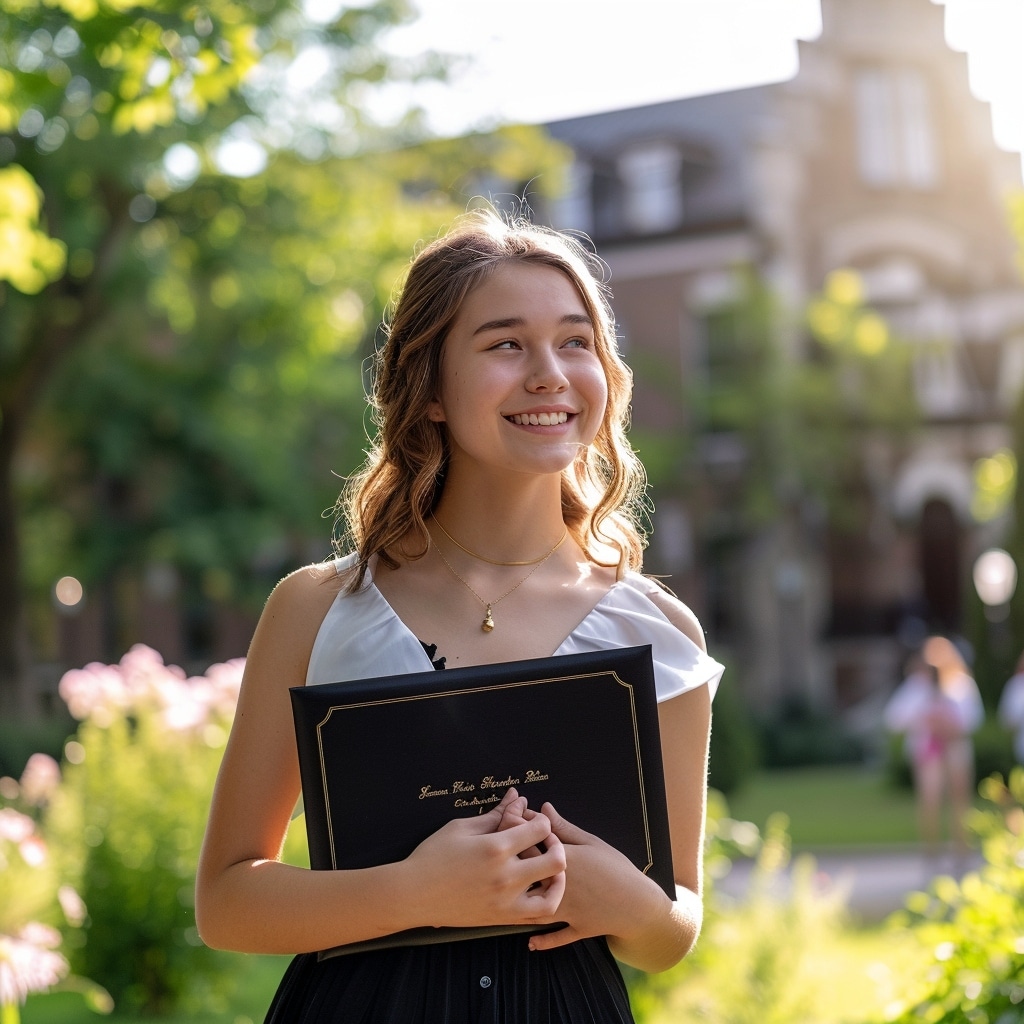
column 361, row 637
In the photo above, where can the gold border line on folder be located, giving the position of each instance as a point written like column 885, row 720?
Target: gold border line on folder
column 488, row 689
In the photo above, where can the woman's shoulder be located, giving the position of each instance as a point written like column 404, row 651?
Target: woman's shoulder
column 677, row 612
column 308, row 589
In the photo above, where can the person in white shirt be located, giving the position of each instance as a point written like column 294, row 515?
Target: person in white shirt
column 937, row 708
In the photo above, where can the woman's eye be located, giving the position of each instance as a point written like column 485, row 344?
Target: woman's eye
column 577, row 343
column 507, row 343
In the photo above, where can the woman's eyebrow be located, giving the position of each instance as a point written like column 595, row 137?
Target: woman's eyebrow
column 500, row 325
column 581, row 319
column 517, row 321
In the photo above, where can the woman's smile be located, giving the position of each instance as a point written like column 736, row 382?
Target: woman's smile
column 539, row 419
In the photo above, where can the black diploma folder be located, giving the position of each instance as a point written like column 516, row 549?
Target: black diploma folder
column 386, row 762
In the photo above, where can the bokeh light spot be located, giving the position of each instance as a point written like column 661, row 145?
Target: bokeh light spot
column 68, row 591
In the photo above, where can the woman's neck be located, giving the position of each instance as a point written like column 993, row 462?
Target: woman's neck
column 502, row 522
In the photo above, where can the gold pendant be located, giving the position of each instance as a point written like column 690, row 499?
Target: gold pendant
column 488, row 624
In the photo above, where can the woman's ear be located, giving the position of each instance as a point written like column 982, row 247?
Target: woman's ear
column 435, row 412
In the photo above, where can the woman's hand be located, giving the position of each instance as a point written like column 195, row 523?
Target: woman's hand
column 605, row 894
column 472, row 870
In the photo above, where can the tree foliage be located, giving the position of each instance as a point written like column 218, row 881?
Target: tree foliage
column 999, row 645
column 974, row 927
column 800, row 396
column 211, row 231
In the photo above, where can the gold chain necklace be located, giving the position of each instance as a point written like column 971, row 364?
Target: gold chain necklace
column 488, row 623
column 491, row 561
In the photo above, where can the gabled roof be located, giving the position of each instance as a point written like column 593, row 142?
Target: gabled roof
column 718, row 121
column 714, row 134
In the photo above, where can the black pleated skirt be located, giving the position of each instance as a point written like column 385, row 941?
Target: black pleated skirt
column 494, row 980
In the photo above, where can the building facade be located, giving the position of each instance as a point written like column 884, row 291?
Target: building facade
column 876, row 161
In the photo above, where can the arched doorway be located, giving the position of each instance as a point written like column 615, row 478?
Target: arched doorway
column 939, row 545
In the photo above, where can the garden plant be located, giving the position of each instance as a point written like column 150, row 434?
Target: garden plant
column 974, row 928
column 128, row 819
column 756, row 957
column 36, row 901
column 98, row 859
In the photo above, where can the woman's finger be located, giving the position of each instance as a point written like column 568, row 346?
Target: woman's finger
column 566, row 831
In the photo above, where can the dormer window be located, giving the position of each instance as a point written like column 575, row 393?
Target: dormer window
column 895, row 133
column 652, row 190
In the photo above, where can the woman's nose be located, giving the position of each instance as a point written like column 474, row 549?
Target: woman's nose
column 546, row 375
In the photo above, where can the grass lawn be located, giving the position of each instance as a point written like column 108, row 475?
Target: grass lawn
column 830, row 806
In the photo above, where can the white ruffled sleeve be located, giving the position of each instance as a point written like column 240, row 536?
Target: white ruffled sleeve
column 627, row 617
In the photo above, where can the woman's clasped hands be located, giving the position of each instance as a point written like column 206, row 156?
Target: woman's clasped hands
column 517, row 865
column 605, row 894
column 503, row 867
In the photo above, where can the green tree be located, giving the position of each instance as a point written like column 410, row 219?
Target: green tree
column 93, row 98
column 802, row 395
column 997, row 664
column 205, row 256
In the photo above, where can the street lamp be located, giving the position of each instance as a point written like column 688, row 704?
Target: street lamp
column 995, row 579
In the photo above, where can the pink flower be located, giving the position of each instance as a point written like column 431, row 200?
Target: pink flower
column 72, row 905
column 40, row 779
column 219, row 688
column 185, row 711
column 29, row 963
column 95, row 688
column 141, row 682
column 15, row 826
column 147, row 678
column 33, row 851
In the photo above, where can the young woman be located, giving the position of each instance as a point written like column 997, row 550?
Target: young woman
column 493, row 521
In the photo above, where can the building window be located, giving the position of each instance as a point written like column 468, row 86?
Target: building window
column 653, row 198
column 941, row 383
column 895, row 139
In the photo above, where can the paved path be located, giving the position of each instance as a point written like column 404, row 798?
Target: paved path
column 878, row 880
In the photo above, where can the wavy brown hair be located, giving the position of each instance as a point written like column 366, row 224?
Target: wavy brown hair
column 388, row 500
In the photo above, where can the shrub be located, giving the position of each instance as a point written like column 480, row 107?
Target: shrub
column 757, row 966
column 35, row 899
column 898, row 771
column 993, row 750
column 129, row 818
column 19, row 740
column 974, row 927
column 798, row 735
column 734, row 746
column 755, row 960
column 725, row 839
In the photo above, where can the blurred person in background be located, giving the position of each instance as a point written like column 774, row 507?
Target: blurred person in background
column 1011, row 709
column 937, row 707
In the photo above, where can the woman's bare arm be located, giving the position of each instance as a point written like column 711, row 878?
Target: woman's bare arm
column 247, row 900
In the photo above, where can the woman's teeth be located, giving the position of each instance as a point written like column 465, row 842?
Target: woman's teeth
column 539, row 419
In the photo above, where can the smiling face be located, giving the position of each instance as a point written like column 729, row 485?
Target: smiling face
column 522, row 387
